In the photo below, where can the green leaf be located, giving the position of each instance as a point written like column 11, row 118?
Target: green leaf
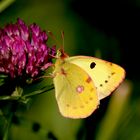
column 18, row 92
column 1, row 82
column 2, row 78
column 37, row 92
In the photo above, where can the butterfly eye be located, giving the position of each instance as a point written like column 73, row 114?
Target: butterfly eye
column 92, row 65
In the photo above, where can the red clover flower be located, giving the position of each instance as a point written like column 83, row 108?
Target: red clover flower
column 23, row 50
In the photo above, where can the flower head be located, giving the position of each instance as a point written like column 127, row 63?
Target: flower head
column 23, row 50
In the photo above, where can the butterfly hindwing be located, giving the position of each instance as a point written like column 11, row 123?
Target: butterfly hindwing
column 105, row 75
column 75, row 92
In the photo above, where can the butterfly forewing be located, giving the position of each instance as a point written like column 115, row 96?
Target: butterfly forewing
column 75, row 92
column 105, row 75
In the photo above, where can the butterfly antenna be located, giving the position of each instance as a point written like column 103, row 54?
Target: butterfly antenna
column 62, row 35
column 62, row 47
column 63, row 54
column 54, row 38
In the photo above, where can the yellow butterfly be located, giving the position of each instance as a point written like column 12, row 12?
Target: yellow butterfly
column 82, row 81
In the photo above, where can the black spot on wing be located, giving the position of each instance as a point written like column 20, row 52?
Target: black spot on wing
column 109, row 77
column 92, row 65
column 101, row 85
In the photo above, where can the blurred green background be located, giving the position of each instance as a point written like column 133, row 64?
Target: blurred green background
column 105, row 29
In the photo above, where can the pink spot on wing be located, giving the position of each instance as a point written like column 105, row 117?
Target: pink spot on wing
column 80, row 89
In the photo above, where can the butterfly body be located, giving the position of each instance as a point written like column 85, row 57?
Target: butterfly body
column 81, row 81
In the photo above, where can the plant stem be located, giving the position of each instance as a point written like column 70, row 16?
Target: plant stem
column 38, row 92
column 9, row 121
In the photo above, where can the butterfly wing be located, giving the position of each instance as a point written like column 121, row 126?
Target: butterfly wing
column 75, row 94
column 106, row 75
